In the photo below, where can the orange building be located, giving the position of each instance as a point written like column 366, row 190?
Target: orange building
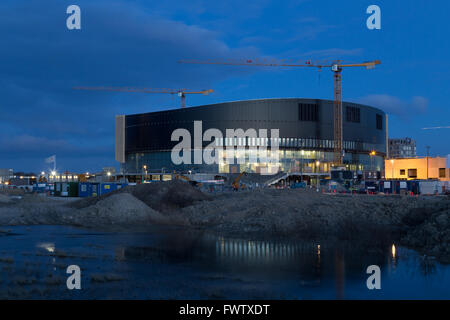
column 417, row 168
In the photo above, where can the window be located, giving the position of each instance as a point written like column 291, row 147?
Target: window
column 412, row 173
column 379, row 122
column 402, row 172
column 352, row 114
column 441, row 172
column 308, row 112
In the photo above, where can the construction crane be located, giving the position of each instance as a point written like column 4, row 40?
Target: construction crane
column 236, row 185
column 180, row 92
column 192, row 182
column 336, row 66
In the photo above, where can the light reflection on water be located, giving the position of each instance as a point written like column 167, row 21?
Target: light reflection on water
column 162, row 262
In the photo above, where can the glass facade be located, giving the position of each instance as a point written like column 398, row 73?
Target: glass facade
column 288, row 160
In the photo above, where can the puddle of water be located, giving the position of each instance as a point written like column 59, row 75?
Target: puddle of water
column 170, row 263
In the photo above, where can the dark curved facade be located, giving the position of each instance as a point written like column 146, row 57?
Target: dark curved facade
column 305, row 132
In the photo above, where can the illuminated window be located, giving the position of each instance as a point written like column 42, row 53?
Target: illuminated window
column 441, row 172
column 402, row 172
column 412, row 173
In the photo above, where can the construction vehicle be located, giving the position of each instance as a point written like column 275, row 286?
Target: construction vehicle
column 180, row 92
column 192, row 182
column 236, row 185
column 336, row 66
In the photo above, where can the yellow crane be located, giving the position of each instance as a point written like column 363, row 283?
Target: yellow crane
column 180, row 92
column 236, row 185
column 336, row 67
column 192, row 182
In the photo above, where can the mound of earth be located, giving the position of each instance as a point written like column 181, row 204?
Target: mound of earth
column 119, row 209
column 4, row 199
column 164, row 197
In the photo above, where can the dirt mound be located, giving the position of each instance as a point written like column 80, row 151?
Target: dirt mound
column 119, row 208
column 4, row 199
column 302, row 212
column 166, row 196
column 430, row 233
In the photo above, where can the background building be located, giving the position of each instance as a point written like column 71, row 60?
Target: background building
column 418, row 168
column 143, row 141
column 402, row 148
column 6, row 174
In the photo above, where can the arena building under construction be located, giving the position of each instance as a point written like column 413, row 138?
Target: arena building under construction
column 304, row 142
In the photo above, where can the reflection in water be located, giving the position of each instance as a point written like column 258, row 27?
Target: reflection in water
column 302, row 263
column 50, row 247
column 394, row 257
column 259, row 252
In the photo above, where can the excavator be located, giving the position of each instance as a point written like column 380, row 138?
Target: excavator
column 192, row 182
column 236, row 185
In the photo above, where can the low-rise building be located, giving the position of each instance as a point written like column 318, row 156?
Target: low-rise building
column 402, row 148
column 6, row 174
column 418, row 168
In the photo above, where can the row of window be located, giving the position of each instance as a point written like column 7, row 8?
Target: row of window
column 290, row 142
column 412, row 173
column 310, row 112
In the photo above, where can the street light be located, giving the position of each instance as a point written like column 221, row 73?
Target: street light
column 301, row 165
column 317, row 171
column 372, row 154
column 145, row 171
column 392, row 166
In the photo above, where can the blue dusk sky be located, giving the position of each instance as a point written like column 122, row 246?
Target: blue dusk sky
column 138, row 43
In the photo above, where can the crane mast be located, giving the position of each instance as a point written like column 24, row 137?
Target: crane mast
column 336, row 67
column 337, row 111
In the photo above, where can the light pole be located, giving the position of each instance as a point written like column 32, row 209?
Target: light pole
column 317, row 173
column 301, row 165
column 145, row 171
column 428, row 153
column 392, row 166
column 372, row 154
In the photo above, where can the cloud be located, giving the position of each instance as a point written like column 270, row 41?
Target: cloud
column 120, row 44
column 434, row 128
column 393, row 105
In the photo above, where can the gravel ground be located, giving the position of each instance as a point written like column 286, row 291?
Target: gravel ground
column 422, row 223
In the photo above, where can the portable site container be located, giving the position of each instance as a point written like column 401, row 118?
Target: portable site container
column 395, row 187
column 107, row 187
column 40, row 187
column 386, row 187
column 95, row 189
column 121, row 185
column 61, row 189
column 84, row 189
column 89, row 189
column 72, row 189
column 430, row 187
column 371, row 186
column 413, row 186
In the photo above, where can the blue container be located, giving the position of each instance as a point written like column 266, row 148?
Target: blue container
column 386, row 187
column 84, row 189
column 107, row 187
column 40, row 187
column 121, row 185
column 95, row 189
column 413, row 186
